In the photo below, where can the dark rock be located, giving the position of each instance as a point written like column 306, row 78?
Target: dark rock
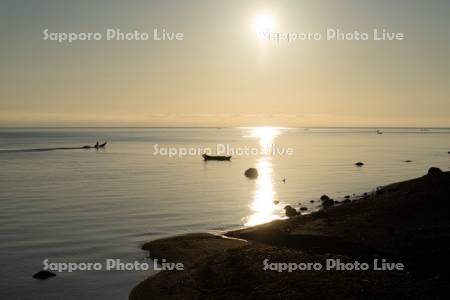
column 390, row 230
column 359, row 164
column 328, row 203
column 311, row 201
column 346, row 201
column 324, row 197
column 347, row 197
column 407, row 161
column 276, row 202
column 251, row 173
column 303, row 208
column 43, row 275
column 434, row 171
column 380, row 191
column 290, row 211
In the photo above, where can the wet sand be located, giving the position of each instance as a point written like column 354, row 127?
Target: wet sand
column 405, row 222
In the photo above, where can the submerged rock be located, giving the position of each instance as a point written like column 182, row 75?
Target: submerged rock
column 290, row 211
column 311, row 201
column 434, row 171
column 43, row 275
column 303, row 208
column 251, row 173
column 407, row 161
column 359, row 164
column 276, row 202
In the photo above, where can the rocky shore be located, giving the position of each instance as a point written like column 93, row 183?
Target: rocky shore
column 404, row 223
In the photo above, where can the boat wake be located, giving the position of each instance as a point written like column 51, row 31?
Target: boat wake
column 52, row 149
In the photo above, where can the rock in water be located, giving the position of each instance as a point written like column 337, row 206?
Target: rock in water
column 43, row 275
column 290, row 211
column 359, row 164
column 324, row 197
column 303, row 208
column 251, row 173
column 328, row 203
column 434, row 171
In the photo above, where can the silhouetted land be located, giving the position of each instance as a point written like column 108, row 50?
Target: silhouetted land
column 406, row 222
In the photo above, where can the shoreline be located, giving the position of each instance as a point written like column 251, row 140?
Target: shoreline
column 403, row 223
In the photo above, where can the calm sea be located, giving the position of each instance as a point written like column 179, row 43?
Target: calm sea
column 88, row 205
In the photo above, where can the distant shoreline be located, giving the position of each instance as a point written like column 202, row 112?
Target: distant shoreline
column 223, row 127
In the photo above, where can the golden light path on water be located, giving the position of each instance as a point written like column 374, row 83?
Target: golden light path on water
column 262, row 207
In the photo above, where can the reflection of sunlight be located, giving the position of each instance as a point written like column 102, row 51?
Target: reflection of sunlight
column 266, row 136
column 263, row 208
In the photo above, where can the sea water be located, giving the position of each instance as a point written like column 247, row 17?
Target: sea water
column 85, row 205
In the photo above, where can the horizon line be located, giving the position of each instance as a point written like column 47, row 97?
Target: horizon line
column 209, row 126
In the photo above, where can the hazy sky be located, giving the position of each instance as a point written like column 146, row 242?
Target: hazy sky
column 223, row 73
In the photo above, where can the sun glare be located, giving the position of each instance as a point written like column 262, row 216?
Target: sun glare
column 263, row 207
column 266, row 136
column 263, row 22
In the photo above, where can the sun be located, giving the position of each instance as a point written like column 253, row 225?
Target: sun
column 263, row 22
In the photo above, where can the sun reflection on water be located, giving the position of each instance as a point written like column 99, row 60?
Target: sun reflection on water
column 262, row 207
column 266, row 136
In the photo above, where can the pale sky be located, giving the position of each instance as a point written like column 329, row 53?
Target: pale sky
column 222, row 73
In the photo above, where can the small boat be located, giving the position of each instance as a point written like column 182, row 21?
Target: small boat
column 215, row 157
column 100, row 146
